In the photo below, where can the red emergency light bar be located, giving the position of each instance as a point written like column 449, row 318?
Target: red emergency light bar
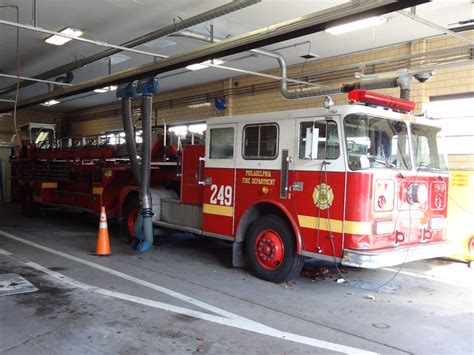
column 373, row 98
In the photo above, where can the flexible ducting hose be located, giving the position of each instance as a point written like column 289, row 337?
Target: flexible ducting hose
column 130, row 137
column 144, row 238
column 370, row 85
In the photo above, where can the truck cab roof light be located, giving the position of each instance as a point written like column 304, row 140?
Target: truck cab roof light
column 373, row 98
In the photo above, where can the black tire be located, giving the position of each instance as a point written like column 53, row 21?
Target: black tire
column 265, row 238
column 28, row 206
column 131, row 204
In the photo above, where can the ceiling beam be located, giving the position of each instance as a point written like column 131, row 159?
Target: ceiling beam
column 266, row 36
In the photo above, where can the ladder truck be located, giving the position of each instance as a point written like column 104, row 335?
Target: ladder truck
column 362, row 184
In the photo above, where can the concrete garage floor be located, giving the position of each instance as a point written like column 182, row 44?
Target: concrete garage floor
column 183, row 297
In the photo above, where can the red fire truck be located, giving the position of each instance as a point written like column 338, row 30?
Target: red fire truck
column 361, row 184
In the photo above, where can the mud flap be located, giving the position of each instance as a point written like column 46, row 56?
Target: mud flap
column 237, row 254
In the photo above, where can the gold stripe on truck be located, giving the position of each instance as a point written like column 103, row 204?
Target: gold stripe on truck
column 49, row 185
column 97, row 190
column 226, row 211
column 335, row 225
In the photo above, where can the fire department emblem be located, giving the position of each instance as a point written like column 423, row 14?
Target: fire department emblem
column 323, row 196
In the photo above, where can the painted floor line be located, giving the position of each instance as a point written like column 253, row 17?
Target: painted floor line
column 236, row 322
column 122, row 275
column 427, row 277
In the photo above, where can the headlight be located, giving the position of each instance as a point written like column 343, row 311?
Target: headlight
column 417, row 193
column 437, row 223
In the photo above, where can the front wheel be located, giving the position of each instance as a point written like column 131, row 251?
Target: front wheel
column 271, row 250
column 129, row 216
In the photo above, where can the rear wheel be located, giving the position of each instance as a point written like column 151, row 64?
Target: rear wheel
column 470, row 251
column 28, row 205
column 129, row 216
column 271, row 250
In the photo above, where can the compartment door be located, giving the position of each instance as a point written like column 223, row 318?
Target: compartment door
column 219, row 180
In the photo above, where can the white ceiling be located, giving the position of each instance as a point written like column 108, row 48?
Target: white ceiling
column 116, row 21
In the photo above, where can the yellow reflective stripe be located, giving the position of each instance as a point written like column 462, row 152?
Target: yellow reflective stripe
column 97, row 190
column 49, row 185
column 226, row 211
column 336, row 225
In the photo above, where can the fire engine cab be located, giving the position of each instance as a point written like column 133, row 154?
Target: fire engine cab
column 362, row 184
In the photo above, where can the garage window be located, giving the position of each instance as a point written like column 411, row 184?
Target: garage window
column 260, row 141
column 222, row 143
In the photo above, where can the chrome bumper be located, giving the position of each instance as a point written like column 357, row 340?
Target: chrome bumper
column 372, row 259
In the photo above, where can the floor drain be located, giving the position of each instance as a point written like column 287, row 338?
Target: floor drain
column 380, row 325
column 13, row 284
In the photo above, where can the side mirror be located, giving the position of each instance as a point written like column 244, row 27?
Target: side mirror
column 314, row 143
column 311, row 145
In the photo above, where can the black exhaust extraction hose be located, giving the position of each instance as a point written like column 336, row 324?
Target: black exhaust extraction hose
column 145, row 243
column 130, row 137
column 143, row 229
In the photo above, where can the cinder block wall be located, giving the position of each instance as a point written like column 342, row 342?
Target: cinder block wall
column 447, row 81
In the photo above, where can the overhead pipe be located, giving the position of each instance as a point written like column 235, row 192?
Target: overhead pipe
column 34, row 80
column 163, row 32
column 65, row 79
column 403, row 81
column 435, row 26
column 208, row 38
column 265, row 36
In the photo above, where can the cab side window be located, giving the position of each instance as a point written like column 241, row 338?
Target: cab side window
column 328, row 146
column 260, row 141
column 222, row 143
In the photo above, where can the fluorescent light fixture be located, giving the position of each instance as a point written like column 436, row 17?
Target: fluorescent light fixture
column 356, row 25
column 50, row 103
column 205, row 64
column 204, row 104
column 60, row 40
column 160, row 43
column 106, row 89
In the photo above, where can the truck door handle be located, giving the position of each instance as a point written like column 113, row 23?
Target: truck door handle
column 199, row 171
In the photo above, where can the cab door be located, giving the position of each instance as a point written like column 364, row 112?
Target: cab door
column 318, row 184
column 218, row 179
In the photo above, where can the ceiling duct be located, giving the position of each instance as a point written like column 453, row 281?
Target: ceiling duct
column 165, row 31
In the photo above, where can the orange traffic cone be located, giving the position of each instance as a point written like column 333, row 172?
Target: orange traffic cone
column 103, row 243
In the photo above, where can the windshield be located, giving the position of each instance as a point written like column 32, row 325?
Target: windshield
column 41, row 134
column 374, row 142
column 425, row 148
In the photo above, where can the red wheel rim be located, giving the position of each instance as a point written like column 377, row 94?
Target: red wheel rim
column 27, row 203
column 470, row 246
column 269, row 249
column 132, row 217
